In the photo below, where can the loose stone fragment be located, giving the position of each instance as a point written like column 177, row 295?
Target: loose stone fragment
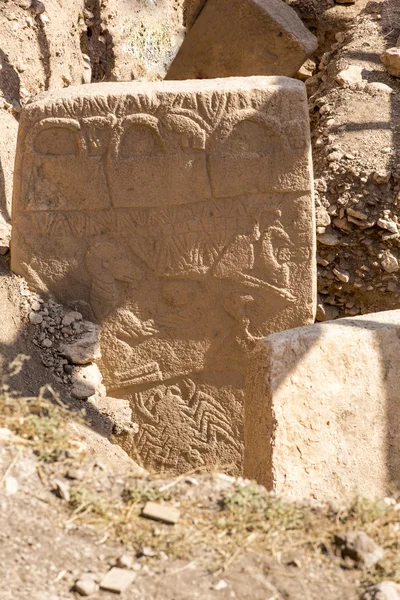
column 85, row 587
column 243, row 37
column 84, row 350
column 391, row 61
column 389, row 262
column 35, row 319
column 342, row 275
column 125, row 561
column 389, row 225
column 117, row 580
column 62, row 489
column 359, row 547
column 386, row 590
column 161, row 512
column 350, row 76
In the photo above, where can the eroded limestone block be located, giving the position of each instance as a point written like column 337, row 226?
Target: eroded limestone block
column 243, row 37
column 179, row 216
column 322, row 409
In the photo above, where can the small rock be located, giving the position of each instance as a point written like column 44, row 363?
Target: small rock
column 220, row 585
column 125, row 561
column 84, row 350
column 350, row 76
column 5, row 434
column 11, row 486
column 335, row 156
column 62, row 489
column 147, row 551
column 117, row 580
column 85, row 587
column 391, row 61
column 359, row 547
column 356, row 214
column 386, row 590
column 342, row 275
column 322, row 217
column 161, row 512
column 325, row 312
column 35, row 319
column 382, row 177
column 389, row 262
column 36, row 306
column 46, row 343
column 75, row 474
column 329, row 239
column 377, row 86
column 82, row 390
column 388, row 225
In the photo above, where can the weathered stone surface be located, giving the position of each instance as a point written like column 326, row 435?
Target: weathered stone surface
column 243, row 37
column 179, row 216
column 322, row 412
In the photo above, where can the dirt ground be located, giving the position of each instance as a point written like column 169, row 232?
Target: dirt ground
column 232, row 540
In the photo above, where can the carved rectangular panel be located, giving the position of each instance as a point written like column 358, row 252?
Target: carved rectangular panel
column 179, row 216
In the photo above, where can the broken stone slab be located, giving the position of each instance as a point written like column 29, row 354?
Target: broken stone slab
column 161, row 512
column 117, row 580
column 322, row 415
column 243, row 38
column 181, row 279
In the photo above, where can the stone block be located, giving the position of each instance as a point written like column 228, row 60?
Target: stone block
column 322, row 409
column 179, row 216
column 243, row 38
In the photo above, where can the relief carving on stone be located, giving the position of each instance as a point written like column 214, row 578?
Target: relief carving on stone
column 180, row 216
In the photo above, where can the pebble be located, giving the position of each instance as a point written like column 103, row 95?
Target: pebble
column 359, row 547
column 391, row 61
column 85, row 587
column 36, row 305
column 11, row 486
column 62, row 489
column 35, row 318
column 125, row 561
column 46, row 343
column 350, row 76
column 389, row 262
column 220, row 585
column 388, row 225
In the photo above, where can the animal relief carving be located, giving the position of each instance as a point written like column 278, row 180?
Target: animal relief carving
column 180, row 214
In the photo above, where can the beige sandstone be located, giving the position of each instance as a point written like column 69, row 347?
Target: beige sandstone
column 391, row 61
column 243, row 37
column 321, row 412
column 179, row 217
